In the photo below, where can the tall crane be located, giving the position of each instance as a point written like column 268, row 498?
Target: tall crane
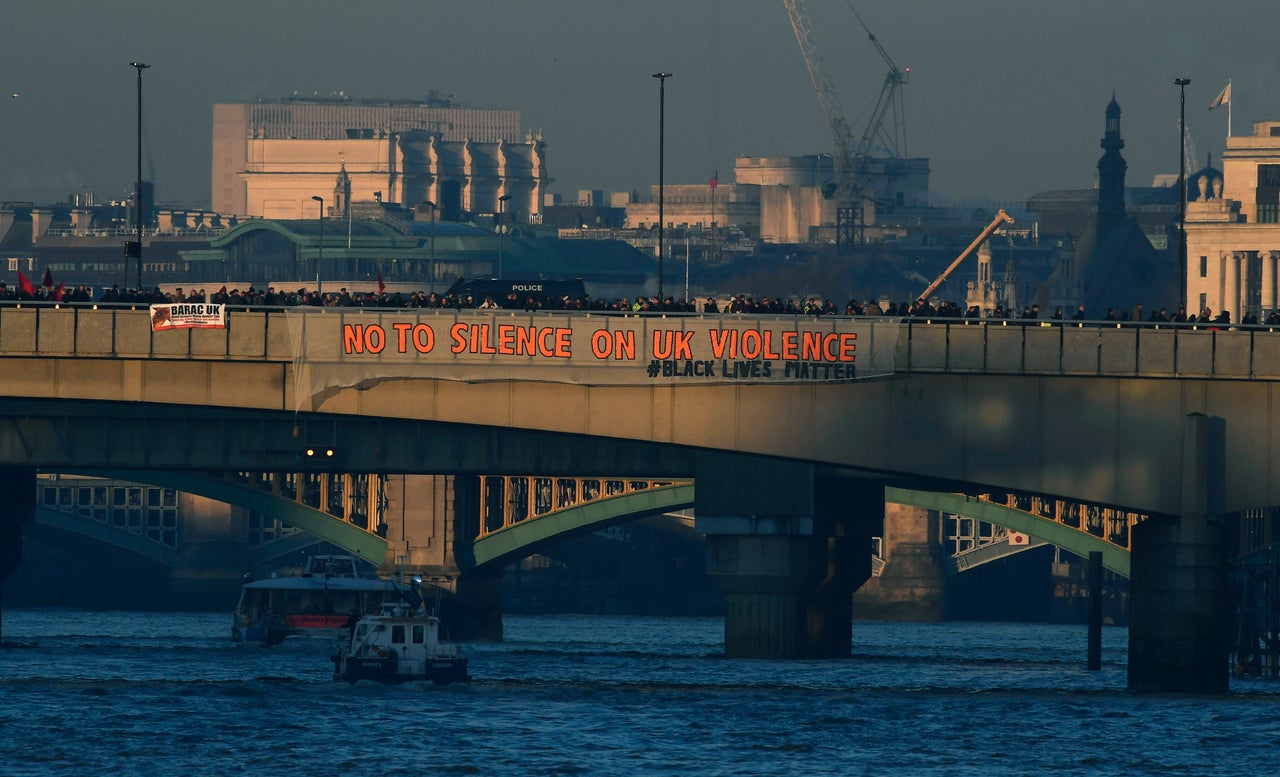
column 894, row 142
column 849, row 187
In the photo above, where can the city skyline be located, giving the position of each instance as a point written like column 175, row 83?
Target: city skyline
column 1004, row 104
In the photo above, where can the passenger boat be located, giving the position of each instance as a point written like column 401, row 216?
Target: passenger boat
column 398, row 646
column 329, row 594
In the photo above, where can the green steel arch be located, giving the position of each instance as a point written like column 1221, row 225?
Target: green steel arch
column 85, row 527
column 323, row 526
column 512, row 543
column 1080, row 543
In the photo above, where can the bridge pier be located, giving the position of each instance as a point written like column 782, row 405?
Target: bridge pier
column 424, row 515
column 787, row 549
column 18, row 489
column 913, row 584
column 1179, row 618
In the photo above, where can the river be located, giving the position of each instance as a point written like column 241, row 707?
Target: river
column 169, row 693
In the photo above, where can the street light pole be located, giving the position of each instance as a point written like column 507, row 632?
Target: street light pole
column 1181, row 83
column 662, row 109
column 502, row 228
column 320, row 254
column 432, row 272
column 137, row 190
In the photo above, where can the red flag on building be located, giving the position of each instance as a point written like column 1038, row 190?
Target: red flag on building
column 714, row 183
column 47, row 282
column 381, row 286
column 24, row 284
column 58, row 292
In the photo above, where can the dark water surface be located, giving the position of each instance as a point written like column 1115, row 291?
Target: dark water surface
column 169, row 693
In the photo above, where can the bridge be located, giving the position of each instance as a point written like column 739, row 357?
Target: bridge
column 792, row 428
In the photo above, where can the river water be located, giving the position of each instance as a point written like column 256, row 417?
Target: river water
column 169, row 693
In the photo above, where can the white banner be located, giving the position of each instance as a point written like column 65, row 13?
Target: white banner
column 188, row 315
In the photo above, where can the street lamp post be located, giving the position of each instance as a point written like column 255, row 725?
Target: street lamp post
column 137, row 190
column 502, row 228
column 432, row 205
column 1181, row 83
column 320, row 253
column 662, row 109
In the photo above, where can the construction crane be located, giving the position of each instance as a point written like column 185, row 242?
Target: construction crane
column 895, row 142
column 1000, row 219
column 849, row 187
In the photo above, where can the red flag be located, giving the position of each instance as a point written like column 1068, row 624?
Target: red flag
column 381, row 286
column 58, row 292
column 24, row 284
column 48, row 279
column 714, row 183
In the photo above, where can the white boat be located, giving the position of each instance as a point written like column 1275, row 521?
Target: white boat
column 398, row 646
column 328, row 596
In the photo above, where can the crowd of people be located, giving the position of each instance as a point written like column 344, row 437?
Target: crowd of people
column 741, row 303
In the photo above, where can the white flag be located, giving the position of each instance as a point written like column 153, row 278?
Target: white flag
column 1224, row 97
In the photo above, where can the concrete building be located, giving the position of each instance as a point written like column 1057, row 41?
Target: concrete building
column 781, row 200
column 1233, row 229
column 271, row 158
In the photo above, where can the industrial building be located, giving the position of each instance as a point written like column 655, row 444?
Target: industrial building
column 279, row 158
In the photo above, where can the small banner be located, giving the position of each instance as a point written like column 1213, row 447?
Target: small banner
column 1018, row 538
column 188, row 315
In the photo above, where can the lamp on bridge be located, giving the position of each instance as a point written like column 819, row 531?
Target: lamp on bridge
column 320, row 255
column 320, row 457
column 502, row 228
column 432, row 272
column 662, row 109
column 136, row 248
column 1181, row 83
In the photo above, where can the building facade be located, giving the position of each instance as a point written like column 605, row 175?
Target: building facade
column 1233, row 229
column 272, row 158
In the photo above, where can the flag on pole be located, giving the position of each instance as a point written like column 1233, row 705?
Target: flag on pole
column 714, row 183
column 59, row 292
column 47, row 281
column 1223, row 98
column 381, row 286
column 24, row 284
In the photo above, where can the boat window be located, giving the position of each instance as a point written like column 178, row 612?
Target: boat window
column 419, row 634
column 397, row 634
column 360, row 628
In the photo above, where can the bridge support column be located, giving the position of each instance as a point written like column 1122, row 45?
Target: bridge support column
column 18, row 487
column 787, row 550
column 1179, row 620
column 425, row 514
column 913, row 584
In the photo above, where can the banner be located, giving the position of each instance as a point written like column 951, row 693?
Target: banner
column 335, row 349
column 188, row 315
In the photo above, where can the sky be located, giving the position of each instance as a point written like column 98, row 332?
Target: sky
column 1005, row 99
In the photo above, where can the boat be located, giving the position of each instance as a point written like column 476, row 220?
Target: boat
column 328, row 596
column 398, row 645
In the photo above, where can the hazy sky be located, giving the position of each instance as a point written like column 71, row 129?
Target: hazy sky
column 1005, row 98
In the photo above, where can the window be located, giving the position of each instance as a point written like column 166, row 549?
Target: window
column 397, row 634
column 1204, row 267
column 1268, row 194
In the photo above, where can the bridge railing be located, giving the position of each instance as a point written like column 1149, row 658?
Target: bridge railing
column 930, row 345
column 1090, row 348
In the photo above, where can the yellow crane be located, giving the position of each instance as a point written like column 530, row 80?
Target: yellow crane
column 1001, row 219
